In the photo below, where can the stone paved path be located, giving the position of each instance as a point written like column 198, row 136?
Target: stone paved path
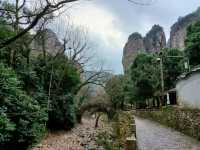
column 153, row 136
column 82, row 137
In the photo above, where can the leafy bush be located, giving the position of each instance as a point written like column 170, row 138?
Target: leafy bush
column 6, row 128
column 64, row 79
column 62, row 108
column 115, row 91
column 119, row 129
column 105, row 140
column 192, row 43
column 62, row 115
column 144, row 75
column 32, row 85
column 173, row 66
column 5, row 33
column 22, row 119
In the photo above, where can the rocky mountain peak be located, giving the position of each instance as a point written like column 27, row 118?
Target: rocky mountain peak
column 155, row 39
column 179, row 29
column 48, row 40
column 135, row 36
column 134, row 44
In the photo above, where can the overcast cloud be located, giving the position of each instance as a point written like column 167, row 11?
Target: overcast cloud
column 110, row 22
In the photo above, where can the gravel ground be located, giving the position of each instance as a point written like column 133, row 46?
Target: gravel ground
column 153, row 136
column 80, row 138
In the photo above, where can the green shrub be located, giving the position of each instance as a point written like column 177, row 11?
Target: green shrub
column 32, row 85
column 105, row 140
column 62, row 113
column 64, row 79
column 22, row 118
column 6, row 128
column 192, row 43
column 114, row 138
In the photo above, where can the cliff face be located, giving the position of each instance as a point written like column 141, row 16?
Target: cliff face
column 154, row 41
column 133, row 46
column 51, row 43
column 179, row 29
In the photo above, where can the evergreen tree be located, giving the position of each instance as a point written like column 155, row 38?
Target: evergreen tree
column 193, row 44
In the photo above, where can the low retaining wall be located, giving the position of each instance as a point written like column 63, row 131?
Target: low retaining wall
column 131, row 141
column 184, row 120
column 121, row 132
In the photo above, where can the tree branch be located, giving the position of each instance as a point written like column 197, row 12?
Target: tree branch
column 49, row 8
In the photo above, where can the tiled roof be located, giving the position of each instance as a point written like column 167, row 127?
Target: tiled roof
column 188, row 74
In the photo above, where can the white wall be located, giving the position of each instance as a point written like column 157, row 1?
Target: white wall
column 188, row 91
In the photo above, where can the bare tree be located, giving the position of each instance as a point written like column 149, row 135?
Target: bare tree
column 77, row 46
column 80, row 52
column 98, row 105
column 18, row 13
column 76, row 42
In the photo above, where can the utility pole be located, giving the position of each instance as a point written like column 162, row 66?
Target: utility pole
column 162, row 79
column 187, row 66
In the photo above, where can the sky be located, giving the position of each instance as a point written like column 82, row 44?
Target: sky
column 110, row 22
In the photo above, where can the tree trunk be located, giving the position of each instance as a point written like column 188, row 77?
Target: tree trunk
column 154, row 105
column 158, row 102
column 97, row 121
column 79, row 117
column 122, row 105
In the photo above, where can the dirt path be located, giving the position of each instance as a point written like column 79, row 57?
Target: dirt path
column 153, row 136
column 80, row 138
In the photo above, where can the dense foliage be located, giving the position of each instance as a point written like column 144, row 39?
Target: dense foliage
column 38, row 89
column 145, row 77
column 63, row 79
column 193, row 44
column 128, row 90
column 35, row 91
column 145, row 73
column 22, row 118
column 114, row 88
column 173, row 66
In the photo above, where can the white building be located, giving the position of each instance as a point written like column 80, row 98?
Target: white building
column 188, row 89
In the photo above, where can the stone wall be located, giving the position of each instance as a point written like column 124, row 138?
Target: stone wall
column 185, row 120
